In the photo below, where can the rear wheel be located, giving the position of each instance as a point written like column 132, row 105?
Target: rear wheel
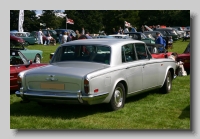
column 37, row 59
column 118, row 98
column 167, row 84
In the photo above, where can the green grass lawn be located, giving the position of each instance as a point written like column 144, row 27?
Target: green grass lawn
column 150, row 110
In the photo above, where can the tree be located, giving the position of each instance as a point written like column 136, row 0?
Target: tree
column 98, row 20
column 30, row 20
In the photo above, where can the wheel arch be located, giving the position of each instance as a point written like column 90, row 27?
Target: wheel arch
column 172, row 72
column 36, row 56
column 124, row 83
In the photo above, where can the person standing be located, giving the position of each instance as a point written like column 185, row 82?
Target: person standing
column 114, row 31
column 142, row 29
column 64, row 37
column 40, row 35
column 120, row 30
column 126, row 30
column 77, row 34
column 161, row 41
column 83, row 31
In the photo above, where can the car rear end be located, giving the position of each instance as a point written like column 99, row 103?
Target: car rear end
column 59, row 84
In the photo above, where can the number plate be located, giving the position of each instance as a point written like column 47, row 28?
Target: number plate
column 52, row 86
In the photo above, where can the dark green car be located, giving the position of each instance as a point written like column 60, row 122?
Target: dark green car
column 28, row 38
column 169, row 32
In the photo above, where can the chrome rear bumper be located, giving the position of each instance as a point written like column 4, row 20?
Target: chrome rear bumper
column 62, row 96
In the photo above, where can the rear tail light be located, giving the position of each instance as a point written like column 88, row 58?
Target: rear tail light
column 19, row 81
column 86, row 86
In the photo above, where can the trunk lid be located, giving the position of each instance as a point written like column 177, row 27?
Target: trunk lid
column 62, row 76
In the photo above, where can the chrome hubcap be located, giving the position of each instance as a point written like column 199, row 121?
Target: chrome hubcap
column 118, row 96
column 169, row 83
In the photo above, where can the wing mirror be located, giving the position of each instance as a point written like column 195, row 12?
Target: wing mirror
column 30, row 62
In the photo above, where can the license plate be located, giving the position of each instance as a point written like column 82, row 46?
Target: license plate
column 52, row 86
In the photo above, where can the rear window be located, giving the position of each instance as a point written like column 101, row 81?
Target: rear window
column 85, row 53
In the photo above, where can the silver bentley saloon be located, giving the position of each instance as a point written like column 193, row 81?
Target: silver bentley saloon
column 93, row 71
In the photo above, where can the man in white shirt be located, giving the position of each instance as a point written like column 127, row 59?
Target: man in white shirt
column 40, row 34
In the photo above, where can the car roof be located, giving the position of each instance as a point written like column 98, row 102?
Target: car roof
column 117, row 35
column 167, row 28
column 109, row 42
column 133, row 33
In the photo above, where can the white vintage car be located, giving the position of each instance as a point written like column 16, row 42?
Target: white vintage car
column 96, row 71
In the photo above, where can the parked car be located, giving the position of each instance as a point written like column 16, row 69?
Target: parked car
column 34, row 55
column 149, row 35
column 18, row 63
column 168, row 32
column 180, row 31
column 119, row 36
column 65, row 30
column 185, row 58
column 14, row 40
column 186, row 35
column 94, row 71
column 28, row 38
column 155, row 53
column 169, row 44
column 153, row 33
column 104, row 36
column 140, row 36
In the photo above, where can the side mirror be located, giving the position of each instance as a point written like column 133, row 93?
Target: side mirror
column 30, row 62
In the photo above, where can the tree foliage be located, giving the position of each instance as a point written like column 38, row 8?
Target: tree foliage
column 97, row 20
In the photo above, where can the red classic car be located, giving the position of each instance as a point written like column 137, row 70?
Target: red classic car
column 18, row 63
column 155, row 53
column 14, row 40
column 185, row 58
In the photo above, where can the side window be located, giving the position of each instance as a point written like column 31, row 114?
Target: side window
column 45, row 32
column 128, row 53
column 164, row 33
column 141, row 51
column 15, row 59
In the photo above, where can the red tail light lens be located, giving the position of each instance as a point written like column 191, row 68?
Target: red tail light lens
column 86, row 86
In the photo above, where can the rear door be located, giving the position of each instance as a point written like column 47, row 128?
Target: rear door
column 133, row 70
column 149, row 67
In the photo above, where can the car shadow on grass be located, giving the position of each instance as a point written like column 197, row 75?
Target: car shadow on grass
column 65, row 111
column 185, row 113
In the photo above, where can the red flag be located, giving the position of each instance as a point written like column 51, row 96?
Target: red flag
column 69, row 21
